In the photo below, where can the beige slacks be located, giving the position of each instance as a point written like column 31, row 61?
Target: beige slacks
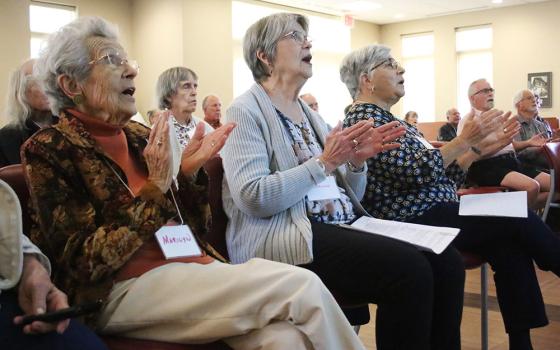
column 260, row 304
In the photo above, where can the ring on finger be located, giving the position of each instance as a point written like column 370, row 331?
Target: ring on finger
column 213, row 143
column 159, row 142
column 505, row 130
column 355, row 142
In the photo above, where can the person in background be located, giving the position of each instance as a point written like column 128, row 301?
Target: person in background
column 101, row 187
column 152, row 114
column 28, row 109
column 212, row 107
column 411, row 118
column 534, row 132
column 502, row 168
column 418, row 184
column 311, row 101
column 280, row 154
column 26, row 288
column 176, row 90
column 449, row 131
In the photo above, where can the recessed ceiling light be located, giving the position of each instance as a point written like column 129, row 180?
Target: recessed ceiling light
column 399, row 15
column 497, row 1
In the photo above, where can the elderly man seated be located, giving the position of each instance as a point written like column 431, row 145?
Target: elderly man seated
column 449, row 131
column 534, row 131
column 22, row 262
column 212, row 107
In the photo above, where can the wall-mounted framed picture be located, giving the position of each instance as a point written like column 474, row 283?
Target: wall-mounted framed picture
column 541, row 85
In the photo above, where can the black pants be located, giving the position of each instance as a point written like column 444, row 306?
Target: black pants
column 510, row 245
column 76, row 336
column 419, row 296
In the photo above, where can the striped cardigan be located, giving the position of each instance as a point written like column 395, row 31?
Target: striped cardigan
column 264, row 187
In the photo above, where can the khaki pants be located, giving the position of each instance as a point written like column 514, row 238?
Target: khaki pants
column 256, row 305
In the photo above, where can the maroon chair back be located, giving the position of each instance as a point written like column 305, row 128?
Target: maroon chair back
column 13, row 176
column 552, row 153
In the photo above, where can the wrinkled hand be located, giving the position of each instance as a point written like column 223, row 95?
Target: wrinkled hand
column 201, row 148
column 37, row 295
column 377, row 140
column 504, row 137
column 157, row 153
column 475, row 130
column 536, row 141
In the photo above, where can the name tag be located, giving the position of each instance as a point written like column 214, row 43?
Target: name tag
column 177, row 242
column 328, row 189
column 425, row 142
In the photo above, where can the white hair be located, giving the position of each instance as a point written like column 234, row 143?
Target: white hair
column 360, row 62
column 67, row 53
column 263, row 35
column 471, row 86
column 17, row 108
column 519, row 96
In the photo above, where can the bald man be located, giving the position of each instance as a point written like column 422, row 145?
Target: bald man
column 449, row 131
column 212, row 107
column 311, row 101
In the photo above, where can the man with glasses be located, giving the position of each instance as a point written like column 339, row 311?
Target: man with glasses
column 503, row 168
column 534, row 131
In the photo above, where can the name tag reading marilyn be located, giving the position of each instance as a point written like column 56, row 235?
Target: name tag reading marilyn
column 177, row 242
column 328, row 189
column 425, row 142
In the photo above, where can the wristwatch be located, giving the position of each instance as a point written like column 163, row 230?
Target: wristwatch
column 354, row 169
column 476, row 150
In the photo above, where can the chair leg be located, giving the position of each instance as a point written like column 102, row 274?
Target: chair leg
column 356, row 329
column 484, row 306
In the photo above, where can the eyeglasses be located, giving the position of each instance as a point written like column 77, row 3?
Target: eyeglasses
column 116, row 60
column 298, row 37
column 390, row 63
column 484, row 91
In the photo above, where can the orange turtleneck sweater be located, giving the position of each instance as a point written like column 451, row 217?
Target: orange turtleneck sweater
column 112, row 139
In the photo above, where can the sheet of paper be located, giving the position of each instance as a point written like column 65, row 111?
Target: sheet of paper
column 177, row 241
column 430, row 238
column 509, row 204
column 328, row 189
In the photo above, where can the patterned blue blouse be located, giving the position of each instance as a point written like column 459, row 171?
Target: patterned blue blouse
column 405, row 182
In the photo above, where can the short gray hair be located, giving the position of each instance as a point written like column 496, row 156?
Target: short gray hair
column 67, row 52
column 168, row 83
column 263, row 35
column 471, row 87
column 205, row 100
column 17, row 108
column 519, row 96
column 360, row 62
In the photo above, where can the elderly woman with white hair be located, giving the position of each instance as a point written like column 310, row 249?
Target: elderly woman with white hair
column 417, row 183
column 176, row 90
column 28, row 109
column 117, row 221
column 289, row 183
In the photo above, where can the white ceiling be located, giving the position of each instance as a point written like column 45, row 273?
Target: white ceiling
column 391, row 11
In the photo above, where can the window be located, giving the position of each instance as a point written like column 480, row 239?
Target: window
column 325, row 83
column 418, row 61
column 474, row 60
column 45, row 18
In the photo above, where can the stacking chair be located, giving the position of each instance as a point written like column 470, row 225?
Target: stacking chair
column 357, row 314
column 13, row 176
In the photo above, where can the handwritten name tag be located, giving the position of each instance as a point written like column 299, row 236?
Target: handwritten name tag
column 327, row 189
column 425, row 143
column 177, row 242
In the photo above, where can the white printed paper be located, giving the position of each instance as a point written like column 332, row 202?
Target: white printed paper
column 177, row 242
column 508, row 204
column 431, row 238
column 328, row 189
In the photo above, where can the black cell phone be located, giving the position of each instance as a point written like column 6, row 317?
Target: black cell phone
column 62, row 314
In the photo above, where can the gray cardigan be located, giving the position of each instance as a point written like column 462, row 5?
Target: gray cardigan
column 264, row 187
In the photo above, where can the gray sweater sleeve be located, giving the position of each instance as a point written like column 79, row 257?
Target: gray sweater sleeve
column 257, row 186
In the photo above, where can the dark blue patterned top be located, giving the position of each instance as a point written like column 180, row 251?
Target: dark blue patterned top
column 405, row 182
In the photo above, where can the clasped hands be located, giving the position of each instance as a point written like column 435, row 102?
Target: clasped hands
column 359, row 142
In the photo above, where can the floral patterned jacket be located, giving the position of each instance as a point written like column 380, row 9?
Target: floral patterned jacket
column 85, row 219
